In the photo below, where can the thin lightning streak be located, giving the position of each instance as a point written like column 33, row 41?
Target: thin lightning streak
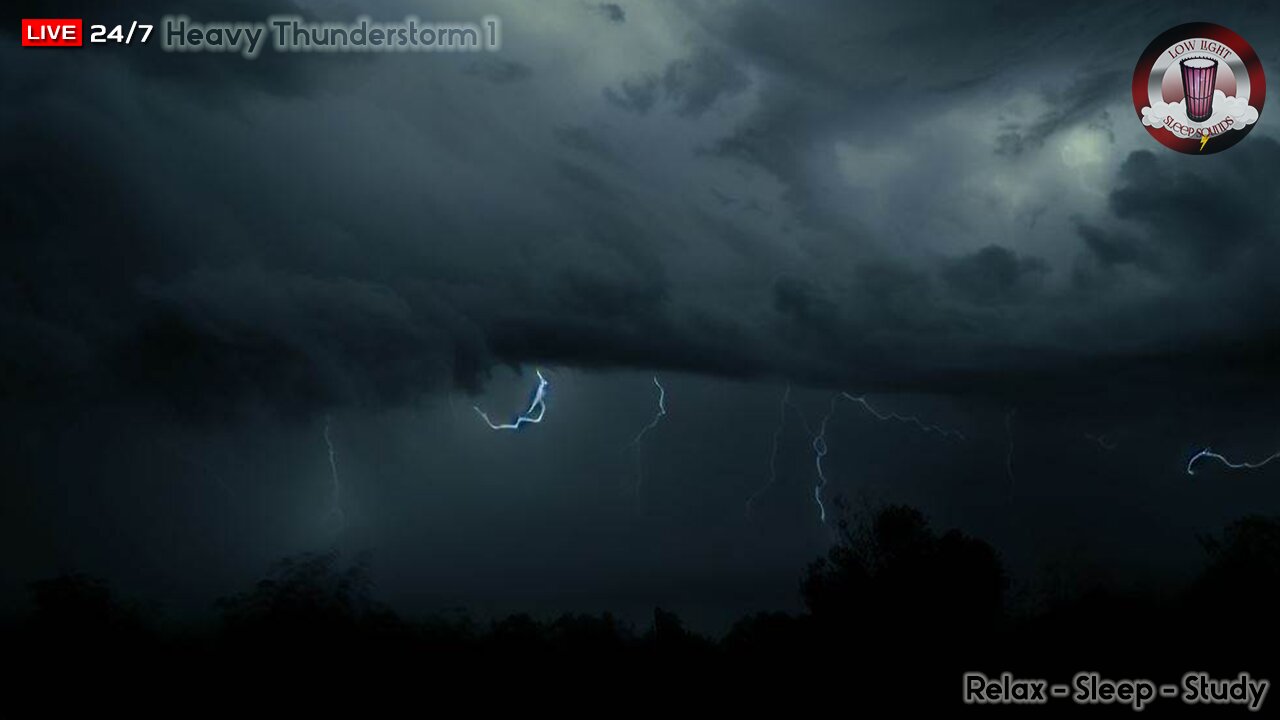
column 1207, row 453
column 819, row 452
column 1101, row 441
column 820, row 446
column 773, row 452
column 657, row 418
column 1008, row 458
column 533, row 416
column 335, row 499
column 910, row 419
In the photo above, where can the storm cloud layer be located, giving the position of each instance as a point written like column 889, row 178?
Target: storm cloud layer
column 821, row 194
column 907, row 197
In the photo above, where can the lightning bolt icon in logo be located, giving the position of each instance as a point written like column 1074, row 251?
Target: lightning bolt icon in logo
column 1204, row 140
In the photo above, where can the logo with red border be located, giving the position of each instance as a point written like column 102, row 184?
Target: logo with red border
column 1198, row 88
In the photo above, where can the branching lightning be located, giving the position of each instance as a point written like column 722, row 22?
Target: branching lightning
column 820, row 438
column 1207, row 453
column 818, row 441
column 335, row 497
column 532, row 416
column 910, row 419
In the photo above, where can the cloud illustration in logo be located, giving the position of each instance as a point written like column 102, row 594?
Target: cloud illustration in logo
column 1173, row 115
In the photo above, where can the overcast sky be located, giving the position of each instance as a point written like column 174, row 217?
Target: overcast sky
column 950, row 208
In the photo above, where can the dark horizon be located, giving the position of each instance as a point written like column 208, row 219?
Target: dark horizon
column 893, row 612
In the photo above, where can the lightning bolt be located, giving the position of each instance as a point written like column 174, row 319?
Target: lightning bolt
column 773, row 449
column 909, row 419
column 1207, row 453
column 532, row 416
column 773, row 452
column 1204, row 140
column 819, row 440
column 820, row 451
column 820, row 446
column 335, row 497
column 657, row 418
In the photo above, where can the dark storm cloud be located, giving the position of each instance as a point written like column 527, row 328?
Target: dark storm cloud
column 994, row 275
column 585, row 140
column 804, row 303
column 250, row 333
column 692, row 84
column 637, row 95
column 499, row 72
column 827, row 71
column 1212, row 218
column 695, row 83
column 613, row 12
column 1081, row 100
column 208, row 262
column 1118, row 248
column 369, row 271
column 823, row 76
column 1203, row 230
column 589, row 184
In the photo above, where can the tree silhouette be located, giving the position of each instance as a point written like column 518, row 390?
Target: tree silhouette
column 1239, row 589
column 894, row 610
column 309, row 600
column 82, row 608
column 896, row 574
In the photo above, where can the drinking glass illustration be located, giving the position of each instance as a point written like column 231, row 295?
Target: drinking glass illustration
column 1199, row 75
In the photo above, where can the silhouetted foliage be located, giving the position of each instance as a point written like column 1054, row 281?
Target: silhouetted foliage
column 81, row 608
column 894, row 609
column 898, row 573
column 772, row 634
column 669, row 638
column 1243, row 575
column 307, row 601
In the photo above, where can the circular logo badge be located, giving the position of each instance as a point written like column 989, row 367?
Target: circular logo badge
column 1198, row 88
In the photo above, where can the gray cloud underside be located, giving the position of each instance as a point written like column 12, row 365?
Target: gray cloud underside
column 896, row 196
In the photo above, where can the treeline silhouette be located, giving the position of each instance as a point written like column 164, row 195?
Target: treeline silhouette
column 895, row 613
